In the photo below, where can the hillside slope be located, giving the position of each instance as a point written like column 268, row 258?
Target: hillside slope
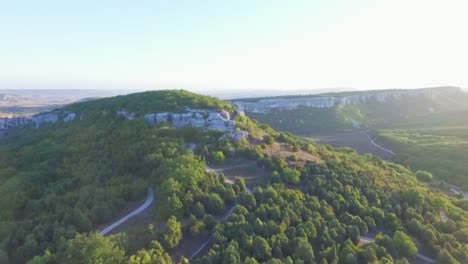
column 370, row 121
column 62, row 179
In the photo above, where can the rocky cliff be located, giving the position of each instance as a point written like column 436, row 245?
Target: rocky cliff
column 327, row 101
column 34, row 121
column 214, row 120
column 200, row 118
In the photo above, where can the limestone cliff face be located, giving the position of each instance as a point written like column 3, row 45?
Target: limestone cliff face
column 125, row 114
column 201, row 118
column 209, row 119
column 69, row 117
column 36, row 120
column 318, row 101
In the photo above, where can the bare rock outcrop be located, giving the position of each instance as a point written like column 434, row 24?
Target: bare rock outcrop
column 125, row 114
column 324, row 101
column 69, row 117
column 209, row 119
column 35, row 120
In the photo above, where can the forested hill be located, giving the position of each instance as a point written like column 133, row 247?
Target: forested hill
column 147, row 102
column 70, row 172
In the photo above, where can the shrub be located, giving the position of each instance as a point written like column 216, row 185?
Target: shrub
column 423, row 176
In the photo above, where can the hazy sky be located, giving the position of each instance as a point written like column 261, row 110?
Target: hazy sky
column 214, row 44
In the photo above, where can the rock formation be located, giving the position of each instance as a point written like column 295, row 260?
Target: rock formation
column 201, row 118
column 326, row 101
column 209, row 119
column 35, row 120
column 69, row 117
column 125, row 114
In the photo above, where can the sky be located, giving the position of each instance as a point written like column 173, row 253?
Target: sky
column 242, row 44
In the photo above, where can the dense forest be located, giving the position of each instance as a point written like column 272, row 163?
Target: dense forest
column 73, row 177
column 60, row 183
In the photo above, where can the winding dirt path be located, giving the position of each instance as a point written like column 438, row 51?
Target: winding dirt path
column 227, row 215
column 372, row 141
column 141, row 208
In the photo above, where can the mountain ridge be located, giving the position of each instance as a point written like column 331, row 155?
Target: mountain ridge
column 328, row 100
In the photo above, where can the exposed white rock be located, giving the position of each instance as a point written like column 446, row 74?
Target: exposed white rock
column 36, row 121
column 182, row 120
column 198, row 120
column 214, row 120
column 40, row 119
column 318, row 101
column 240, row 135
column 235, row 136
column 150, row 119
column 125, row 114
column 225, row 114
column 162, row 117
column 69, row 117
column 218, row 121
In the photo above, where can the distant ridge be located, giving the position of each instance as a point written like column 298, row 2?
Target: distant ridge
column 357, row 92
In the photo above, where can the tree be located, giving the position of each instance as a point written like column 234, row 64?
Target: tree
column 404, row 245
column 462, row 235
column 183, row 260
column 291, row 175
column 247, row 200
column 293, row 157
column 445, row 258
column 47, row 258
column 218, row 157
column 424, row 176
column 354, row 233
column 175, row 205
column 250, row 260
column 231, row 254
column 268, row 140
column 93, row 248
column 173, row 233
column 199, row 210
column 413, row 197
column 350, row 259
column 239, row 185
column 303, row 251
column 261, row 249
column 155, row 255
column 214, row 204
column 369, row 254
column 402, row 261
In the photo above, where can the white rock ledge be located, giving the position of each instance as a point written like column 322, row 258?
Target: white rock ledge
column 209, row 119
